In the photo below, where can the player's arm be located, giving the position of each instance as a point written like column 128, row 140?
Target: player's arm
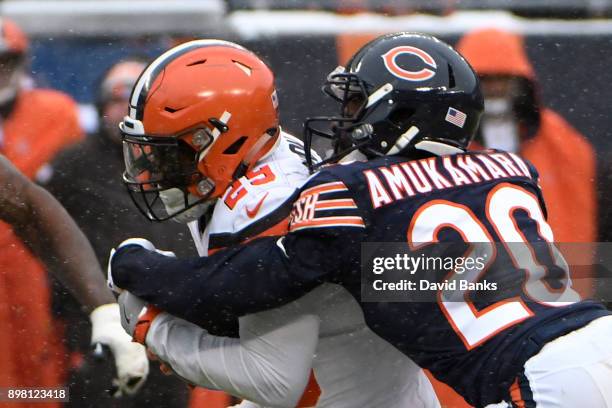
column 269, row 364
column 47, row 229
column 323, row 245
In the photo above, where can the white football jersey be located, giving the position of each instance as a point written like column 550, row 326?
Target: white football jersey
column 257, row 202
column 353, row 366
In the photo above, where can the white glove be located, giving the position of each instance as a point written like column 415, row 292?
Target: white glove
column 131, row 309
column 130, row 358
column 145, row 243
column 136, row 312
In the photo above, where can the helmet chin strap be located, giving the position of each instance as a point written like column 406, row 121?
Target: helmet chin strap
column 437, row 148
column 253, row 153
column 379, row 94
column 274, row 146
column 403, row 141
column 353, row 156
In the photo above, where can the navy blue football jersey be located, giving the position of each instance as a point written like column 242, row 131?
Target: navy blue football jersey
column 476, row 347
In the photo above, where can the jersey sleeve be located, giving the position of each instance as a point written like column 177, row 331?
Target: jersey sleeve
column 323, row 244
column 262, row 213
column 326, row 227
column 269, row 364
column 259, row 203
column 533, row 173
column 328, row 205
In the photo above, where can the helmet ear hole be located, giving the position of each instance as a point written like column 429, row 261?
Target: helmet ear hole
column 402, row 117
column 451, row 77
column 235, row 147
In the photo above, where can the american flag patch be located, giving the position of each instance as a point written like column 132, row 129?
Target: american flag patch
column 456, row 117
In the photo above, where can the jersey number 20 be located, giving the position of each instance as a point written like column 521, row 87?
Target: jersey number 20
column 476, row 326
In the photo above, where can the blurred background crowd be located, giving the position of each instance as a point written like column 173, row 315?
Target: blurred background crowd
column 66, row 72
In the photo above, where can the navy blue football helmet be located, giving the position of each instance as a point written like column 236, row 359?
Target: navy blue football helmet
column 400, row 94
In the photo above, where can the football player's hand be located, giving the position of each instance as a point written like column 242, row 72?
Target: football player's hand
column 136, row 316
column 131, row 363
column 144, row 243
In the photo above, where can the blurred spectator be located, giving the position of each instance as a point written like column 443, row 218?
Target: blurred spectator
column 514, row 120
column 34, row 125
column 87, row 181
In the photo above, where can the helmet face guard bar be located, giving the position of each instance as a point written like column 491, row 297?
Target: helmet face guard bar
column 343, row 131
column 343, row 143
column 150, row 205
column 157, row 166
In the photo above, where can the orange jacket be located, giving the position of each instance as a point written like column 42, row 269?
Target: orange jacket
column 41, row 123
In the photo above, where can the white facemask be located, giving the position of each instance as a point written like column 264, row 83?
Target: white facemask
column 500, row 134
column 499, row 125
column 498, row 107
column 10, row 87
column 174, row 202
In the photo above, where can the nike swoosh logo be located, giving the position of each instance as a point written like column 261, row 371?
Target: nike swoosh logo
column 127, row 318
column 253, row 212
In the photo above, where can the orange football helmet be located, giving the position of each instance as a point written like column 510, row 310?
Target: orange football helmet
column 200, row 116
